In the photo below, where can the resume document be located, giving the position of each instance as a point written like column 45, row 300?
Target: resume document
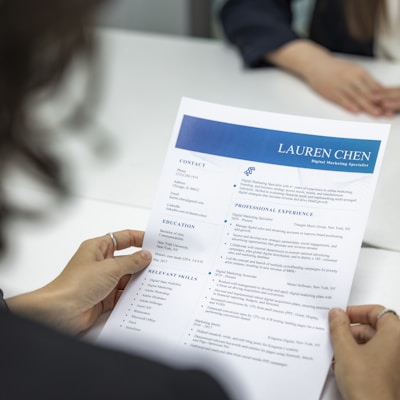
column 255, row 235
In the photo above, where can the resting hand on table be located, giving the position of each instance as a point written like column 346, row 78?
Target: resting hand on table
column 367, row 355
column 390, row 100
column 340, row 81
column 90, row 284
column 346, row 84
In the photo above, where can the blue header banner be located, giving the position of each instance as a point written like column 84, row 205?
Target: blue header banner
column 277, row 147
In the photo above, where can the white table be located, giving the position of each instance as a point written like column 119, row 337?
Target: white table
column 143, row 79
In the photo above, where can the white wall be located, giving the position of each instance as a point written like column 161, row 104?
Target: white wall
column 164, row 16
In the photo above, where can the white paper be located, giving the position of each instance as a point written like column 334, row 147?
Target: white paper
column 255, row 235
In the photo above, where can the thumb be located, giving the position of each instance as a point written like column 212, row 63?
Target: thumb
column 132, row 263
column 340, row 330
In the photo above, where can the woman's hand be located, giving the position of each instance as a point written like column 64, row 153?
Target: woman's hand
column 367, row 354
column 90, row 284
column 346, row 84
column 390, row 100
column 343, row 82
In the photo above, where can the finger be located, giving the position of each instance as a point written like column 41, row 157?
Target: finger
column 369, row 84
column 390, row 107
column 389, row 111
column 369, row 106
column 363, row 333
column 126, row 238
column 99, row 248
column 361, row 101
column 389, row 99
column 347, row 102
column 365, row 314
column 130, row 264
column 341, row 334
column 123, row 282
column 117, row 296
column 363, row 86
column 390, row 94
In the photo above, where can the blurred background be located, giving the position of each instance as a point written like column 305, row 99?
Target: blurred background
column 176, row 17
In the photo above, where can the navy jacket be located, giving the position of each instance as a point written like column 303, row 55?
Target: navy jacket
column 257, row 27
column 39, row 363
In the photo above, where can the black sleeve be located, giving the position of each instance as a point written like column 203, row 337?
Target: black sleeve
column 38, row 363
column 257, row 27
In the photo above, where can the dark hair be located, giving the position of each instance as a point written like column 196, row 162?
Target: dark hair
column 38, row 40
column 362, row 17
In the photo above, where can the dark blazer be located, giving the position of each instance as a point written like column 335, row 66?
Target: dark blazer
column 39, row 363
column 257, row 27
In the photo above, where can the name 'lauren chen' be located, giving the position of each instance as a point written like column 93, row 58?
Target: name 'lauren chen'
column 320, row 152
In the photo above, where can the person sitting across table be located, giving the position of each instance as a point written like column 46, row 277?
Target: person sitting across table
column 264, row 32
column 41, row 356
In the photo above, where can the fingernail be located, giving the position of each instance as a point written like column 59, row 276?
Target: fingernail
column 333, row 312
column 146, row 255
